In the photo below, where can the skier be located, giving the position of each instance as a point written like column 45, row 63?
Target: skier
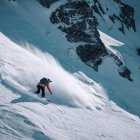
column 44, row 82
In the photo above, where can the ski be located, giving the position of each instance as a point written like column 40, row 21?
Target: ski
column 39, row 97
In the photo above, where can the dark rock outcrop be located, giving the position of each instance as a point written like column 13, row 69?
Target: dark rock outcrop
column 77, row 19
column 125, row 17
column 97, row 7
column 12, row 0
column 47, row 3
column 80, row 25
column 122, row 69
column 91, row 54
column 125, row 72
column 138, row 51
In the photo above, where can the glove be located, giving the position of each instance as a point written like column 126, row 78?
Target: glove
column 51, row 93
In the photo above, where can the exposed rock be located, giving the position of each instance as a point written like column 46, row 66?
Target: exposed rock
column 116, row 59
column 122, row 69
column 12, row 0
column 125, row 17
column 71, row 12
column 91, row 54
column 97, row 8
column 78, row 32
column 77, row 20
column 125, row 72
column 138, row 50
column 97, row 5
column 117, row 1
column 80, row 25
column 47, row 3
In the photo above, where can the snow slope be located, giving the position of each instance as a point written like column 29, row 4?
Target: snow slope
column 30, row 48
column 25, row 67
column 124, row 93
column 24, row 116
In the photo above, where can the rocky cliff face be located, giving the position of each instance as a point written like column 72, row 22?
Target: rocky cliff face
column 77, row 18
column 123, row 17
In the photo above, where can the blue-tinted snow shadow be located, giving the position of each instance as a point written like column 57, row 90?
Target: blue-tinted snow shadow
column 37, row 135
column 26, row 34
column 119, row 99
column 24, row 96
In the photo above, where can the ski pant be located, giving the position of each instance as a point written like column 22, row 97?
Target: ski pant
column 42, row 89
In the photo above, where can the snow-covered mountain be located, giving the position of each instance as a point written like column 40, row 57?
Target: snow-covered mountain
column 89, row 49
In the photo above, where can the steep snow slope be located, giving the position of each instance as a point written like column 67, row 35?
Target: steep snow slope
column 125, row 96
column 124, row 93
column 24, row 116
column 24, row 68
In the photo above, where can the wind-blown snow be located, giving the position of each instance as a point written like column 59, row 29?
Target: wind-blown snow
column 25, row 67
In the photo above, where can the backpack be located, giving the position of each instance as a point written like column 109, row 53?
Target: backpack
column 44, row 81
